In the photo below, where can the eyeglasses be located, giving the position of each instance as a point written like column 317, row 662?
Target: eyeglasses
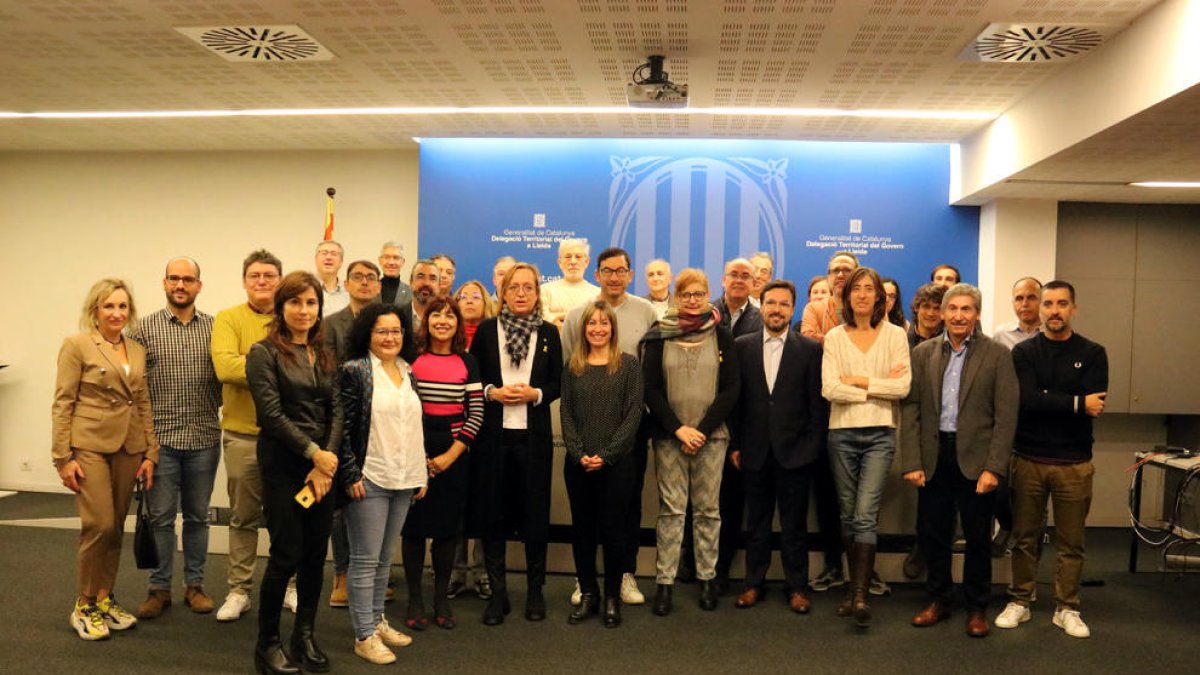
column 176, row 279
column 743, row 276
column 609, row 271
column 840, row 271
column 469, row 296
column 262, row 276
column 693, row 295
column 527, row 289
column 388, row 332
column 360, row 277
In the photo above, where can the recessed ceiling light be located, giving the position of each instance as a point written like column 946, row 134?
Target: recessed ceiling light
column 1166, row 184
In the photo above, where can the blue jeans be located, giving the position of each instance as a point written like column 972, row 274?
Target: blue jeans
column 182, row 478
column 373, row 525
column 860, row 459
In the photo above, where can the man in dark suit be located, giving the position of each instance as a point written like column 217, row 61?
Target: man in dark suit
column 958, row 420
column 425, row 279
column 779, row 430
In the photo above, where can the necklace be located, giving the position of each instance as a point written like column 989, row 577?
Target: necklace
column 115, row 345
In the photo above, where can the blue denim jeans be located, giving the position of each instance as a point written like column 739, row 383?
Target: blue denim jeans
column 373, row 525
column 860, row 459
column 182, row 479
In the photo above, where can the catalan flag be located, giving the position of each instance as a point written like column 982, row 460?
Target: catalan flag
column 329, row 214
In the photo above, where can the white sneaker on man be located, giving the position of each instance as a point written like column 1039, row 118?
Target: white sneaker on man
column 1014, row 614
column 1071, row 623
column 235, row 605
column 290, row 599
column 576, row 595
column 630, row 594
column 372, row 649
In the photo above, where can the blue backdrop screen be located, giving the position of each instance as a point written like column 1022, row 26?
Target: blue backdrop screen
column 695, row 204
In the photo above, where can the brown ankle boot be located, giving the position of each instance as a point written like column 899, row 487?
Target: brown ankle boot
column 864, row 564
column 155, row 603
column 846, row 607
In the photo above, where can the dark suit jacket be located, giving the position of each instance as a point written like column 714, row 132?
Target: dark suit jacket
column 751, row 321
column 337, row 332
column 988, row 400
column 790, row 423
column 408, row 350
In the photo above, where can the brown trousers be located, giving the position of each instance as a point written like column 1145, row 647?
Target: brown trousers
column 103, row 502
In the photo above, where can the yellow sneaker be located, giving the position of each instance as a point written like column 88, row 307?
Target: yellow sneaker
column 115, row 616
column 88, row 622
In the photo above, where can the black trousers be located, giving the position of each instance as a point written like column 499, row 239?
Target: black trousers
column 633, row 511
column 299, row 541
column 766, row 488
column 524, row 473
column 829, row 516
column 945, row 494
column 733, row 514
column 599, row 503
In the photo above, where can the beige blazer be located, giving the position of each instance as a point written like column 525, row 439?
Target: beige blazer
column 98, row 407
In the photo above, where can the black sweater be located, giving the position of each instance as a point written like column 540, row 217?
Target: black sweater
column 1053, row 425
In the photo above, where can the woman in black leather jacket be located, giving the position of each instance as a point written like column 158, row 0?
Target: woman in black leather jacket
column 291, row 375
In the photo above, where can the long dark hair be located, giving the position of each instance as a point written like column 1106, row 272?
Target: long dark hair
column 896, row 316
column 364, row 323
column 880, row 297
column 280, row 335
column 458, row 343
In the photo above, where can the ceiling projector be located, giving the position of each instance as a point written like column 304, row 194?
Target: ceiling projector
column 651, row 87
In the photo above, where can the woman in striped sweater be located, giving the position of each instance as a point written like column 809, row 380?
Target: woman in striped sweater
column 452, row 404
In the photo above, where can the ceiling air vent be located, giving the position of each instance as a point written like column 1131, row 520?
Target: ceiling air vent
column 1030, row 43
column 259, row 43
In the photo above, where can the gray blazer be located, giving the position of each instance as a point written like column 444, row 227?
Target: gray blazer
column 988, row 401
column 337, row 332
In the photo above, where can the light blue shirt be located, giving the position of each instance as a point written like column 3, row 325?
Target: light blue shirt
column 951, row 381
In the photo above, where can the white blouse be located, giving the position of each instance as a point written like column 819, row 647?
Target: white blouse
column 875, row 406
column 396, row 448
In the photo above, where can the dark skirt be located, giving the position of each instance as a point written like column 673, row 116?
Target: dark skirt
column 441, row 512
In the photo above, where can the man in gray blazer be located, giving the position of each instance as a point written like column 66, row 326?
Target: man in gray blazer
column 958, row 421
column 362, row 283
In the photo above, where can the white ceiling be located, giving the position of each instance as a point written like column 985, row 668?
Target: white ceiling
column 77, row 55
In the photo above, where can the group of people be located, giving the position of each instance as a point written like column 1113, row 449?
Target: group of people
column 368, row 411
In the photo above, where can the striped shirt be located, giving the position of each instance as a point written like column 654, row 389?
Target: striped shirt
column 449, row 386
column 184, row 391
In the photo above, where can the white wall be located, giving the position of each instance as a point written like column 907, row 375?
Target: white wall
column 71, row 218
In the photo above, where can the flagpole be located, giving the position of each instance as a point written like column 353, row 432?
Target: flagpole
column 329, row 193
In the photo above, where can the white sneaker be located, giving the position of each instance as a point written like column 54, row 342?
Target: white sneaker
column 576, row 595
column 390, row 636
column 88, row 622
column 235, row 605
column 290, row 599
column 115, row 616
column 1014, row 614
column 630, row 595
column 1071, row 623
column 372, row 649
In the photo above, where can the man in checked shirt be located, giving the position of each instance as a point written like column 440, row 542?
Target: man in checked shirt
column 185, row 396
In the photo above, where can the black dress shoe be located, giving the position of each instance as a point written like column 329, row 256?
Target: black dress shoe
column 662, row 600
column 497, row 608
column 535, row 605
column 310, row 657
column 708, row 595
column 612, row 612
column 272, row 660
column 589, row 606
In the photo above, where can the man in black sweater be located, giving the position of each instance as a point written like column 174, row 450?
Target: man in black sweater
column 1064, row 380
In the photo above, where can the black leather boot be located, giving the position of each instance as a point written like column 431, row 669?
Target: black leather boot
column 846, row 607
column 589, row 606
column 498, row 605
column 662, row 600
column 612, row 612
column 304, row 648
column 864, row 563
column 535, row 572
column 709, row 590
column 270, row 659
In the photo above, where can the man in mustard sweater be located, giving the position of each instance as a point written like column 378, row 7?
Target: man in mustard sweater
column 234, row 331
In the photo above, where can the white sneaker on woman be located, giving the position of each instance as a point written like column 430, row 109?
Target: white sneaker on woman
column 290, row 598
column 372, row 649
column 390, row 636
column 88, row 622
column 115, row 616
column 630, row 594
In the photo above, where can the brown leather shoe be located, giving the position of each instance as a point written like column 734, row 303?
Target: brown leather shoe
column 932, row 614
column 154, row 604
column 195, row 598
column 977, row 624
column 748, row 598
column 799, row 602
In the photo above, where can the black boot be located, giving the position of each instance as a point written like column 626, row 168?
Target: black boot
column 708, row 594
column 662, row 600
column 535, row 573
column 589, row 606
column 498, row 606
column 612, row 611
column 864, row 564
column 304, row 648
column 270, row 659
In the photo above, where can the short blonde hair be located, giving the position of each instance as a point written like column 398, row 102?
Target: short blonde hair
column 537, row 285
column 689, row 276
column 489, row 307
column 99, row 291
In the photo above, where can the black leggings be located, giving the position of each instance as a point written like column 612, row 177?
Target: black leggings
column 299, row 540
column 412, row 550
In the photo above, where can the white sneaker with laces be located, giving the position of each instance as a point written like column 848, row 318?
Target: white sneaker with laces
column 290, row 599
column 576, row 595
column 115, row 616
column 630, row 594
column 88, row 622
column 1071, row 623
column 372, row 649
column 390, row 636
column 235, row 605
column 1014, row 614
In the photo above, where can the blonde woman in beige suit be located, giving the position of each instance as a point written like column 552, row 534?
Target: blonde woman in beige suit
column 103, row 441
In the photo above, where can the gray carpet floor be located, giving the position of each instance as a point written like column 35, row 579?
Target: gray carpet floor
column 1138, row 621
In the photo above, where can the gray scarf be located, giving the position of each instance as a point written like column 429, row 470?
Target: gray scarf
column 516, row 333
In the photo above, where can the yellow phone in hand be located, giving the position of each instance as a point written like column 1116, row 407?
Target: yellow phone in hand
column 305, row 496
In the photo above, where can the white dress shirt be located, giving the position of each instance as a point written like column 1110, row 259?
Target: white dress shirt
column 396, row 446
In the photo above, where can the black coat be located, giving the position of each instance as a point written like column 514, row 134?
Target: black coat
column 790, row 423
column 751, row 321
column 663, row 418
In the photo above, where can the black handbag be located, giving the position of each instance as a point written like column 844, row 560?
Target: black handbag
column 145, row 549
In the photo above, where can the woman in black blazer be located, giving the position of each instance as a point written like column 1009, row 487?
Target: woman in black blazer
column 292, row 377
column 520, row 363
